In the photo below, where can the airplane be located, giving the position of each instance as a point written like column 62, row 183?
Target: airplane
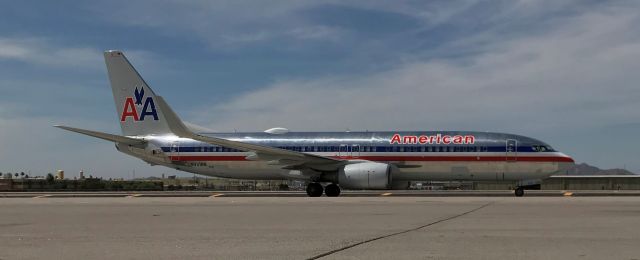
column 369, row 160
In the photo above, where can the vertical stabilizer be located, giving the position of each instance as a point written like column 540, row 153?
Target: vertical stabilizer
column 135, row 101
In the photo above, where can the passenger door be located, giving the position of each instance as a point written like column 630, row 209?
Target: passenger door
column 511, row 150
column 175, row 150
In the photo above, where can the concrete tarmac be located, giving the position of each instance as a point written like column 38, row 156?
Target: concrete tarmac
column 378, row 227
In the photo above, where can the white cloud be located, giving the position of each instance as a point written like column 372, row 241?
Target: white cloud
column 42, row 52
column 578, row 74
column 319, row 32
column 10, row 50
column 246, row 37
column 227, row 24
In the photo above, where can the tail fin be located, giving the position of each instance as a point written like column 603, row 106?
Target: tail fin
column 135, row 101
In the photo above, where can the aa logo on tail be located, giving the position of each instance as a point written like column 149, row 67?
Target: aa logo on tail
column 137, row 109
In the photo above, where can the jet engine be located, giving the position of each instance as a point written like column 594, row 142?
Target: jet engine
column 366, row 175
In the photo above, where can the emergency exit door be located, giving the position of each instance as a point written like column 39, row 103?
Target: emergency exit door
column 349, row 150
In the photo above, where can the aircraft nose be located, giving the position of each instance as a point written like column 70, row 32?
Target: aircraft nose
column 566, row 163
column 568, row 158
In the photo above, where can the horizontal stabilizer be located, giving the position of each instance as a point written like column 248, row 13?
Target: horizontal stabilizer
column 104, row 136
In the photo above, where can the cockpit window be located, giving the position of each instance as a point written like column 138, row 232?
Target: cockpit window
column 542, row 148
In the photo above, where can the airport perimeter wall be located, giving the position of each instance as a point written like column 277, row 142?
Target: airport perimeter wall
column 78, row 185
column 96, row 184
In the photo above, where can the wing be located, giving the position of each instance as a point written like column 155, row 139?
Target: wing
column 289, row 159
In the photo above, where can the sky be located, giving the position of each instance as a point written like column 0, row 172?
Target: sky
column 566, row 72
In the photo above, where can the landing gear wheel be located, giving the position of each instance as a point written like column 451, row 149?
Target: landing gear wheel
column 332, row 190
column 519, row 192
column 314, row 189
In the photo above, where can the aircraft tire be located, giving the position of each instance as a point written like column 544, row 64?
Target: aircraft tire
column 314, row 189
column 519, row 192
column 332, row 190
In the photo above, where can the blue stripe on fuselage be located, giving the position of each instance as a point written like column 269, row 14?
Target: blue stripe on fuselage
column 366, row 149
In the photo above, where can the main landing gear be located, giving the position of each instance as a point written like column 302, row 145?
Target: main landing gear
column 519, row 191
column 332, row 190
column 315, row 189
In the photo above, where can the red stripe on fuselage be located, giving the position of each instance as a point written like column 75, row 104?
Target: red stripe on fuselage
column 400, row 158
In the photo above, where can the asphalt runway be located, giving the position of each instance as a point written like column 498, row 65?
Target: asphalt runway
column 345, row 193
column 378, row 227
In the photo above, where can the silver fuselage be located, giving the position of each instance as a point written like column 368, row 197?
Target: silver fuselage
column 491, row 156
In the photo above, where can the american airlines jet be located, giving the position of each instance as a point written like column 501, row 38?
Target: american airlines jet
column 328, row 161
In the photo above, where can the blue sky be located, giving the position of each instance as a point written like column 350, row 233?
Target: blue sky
column 565, row 72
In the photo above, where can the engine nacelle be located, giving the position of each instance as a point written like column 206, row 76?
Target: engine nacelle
column 366, row 175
